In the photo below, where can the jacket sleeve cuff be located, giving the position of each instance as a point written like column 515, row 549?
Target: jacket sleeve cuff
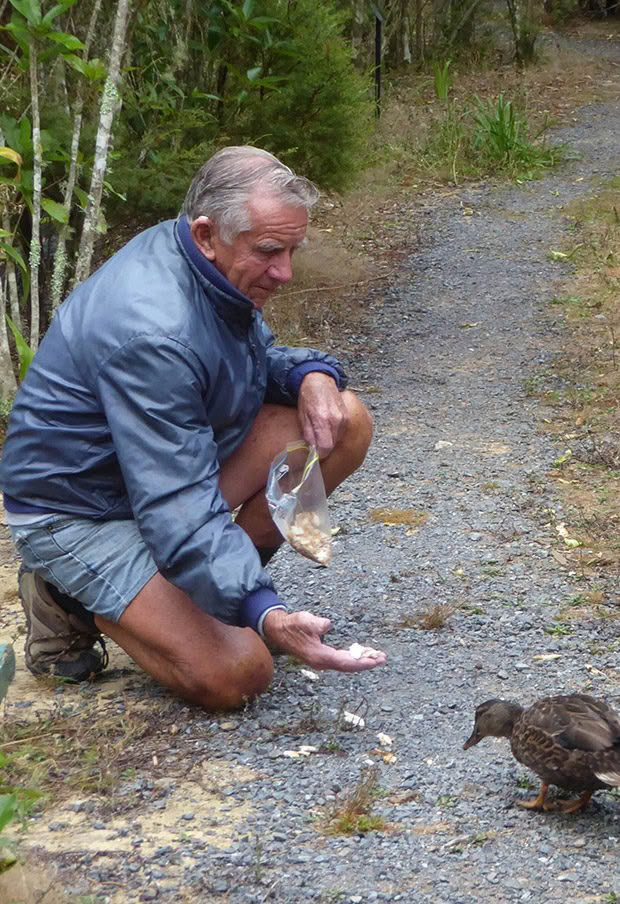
column 297, row 373
column 256, row 606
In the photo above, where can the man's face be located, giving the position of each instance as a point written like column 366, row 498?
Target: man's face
column 258, row 261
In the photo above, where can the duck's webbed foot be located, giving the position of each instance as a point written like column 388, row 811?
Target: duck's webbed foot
column 575, row 806
column 540, row 802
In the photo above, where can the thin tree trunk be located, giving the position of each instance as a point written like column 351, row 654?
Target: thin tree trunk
column 8, row 383
column 35, row 240
column 404, row 31
column 419, row 31
column 179, row 54
column 514, row 13
column 463, row 21
column 106, row 119
column 357, row 30
column 60, row 258
column 16, row 316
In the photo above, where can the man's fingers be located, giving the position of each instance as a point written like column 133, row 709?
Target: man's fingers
column 343, row 661
column 321, row 436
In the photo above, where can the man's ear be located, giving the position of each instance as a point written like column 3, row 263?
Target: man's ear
column 203, row 234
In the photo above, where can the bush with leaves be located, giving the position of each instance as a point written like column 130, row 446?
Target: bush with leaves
column 280, row 76
column 319, row 120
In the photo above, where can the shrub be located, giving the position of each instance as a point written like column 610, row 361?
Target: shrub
column 320, row 119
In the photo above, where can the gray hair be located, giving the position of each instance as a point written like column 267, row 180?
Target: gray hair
column 224, row 185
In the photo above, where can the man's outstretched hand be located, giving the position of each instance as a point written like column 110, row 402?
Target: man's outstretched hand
column 300, row 633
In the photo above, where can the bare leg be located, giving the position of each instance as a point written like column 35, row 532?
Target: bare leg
column 195, row 655
column 244, row 475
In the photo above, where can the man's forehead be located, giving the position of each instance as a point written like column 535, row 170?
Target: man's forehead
column 266, row 209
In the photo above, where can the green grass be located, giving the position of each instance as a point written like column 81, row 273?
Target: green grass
column 352, row 814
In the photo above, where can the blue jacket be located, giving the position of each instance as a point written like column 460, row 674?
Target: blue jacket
column 150, row 376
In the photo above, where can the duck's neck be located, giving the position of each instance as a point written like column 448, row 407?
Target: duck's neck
column 510, row 713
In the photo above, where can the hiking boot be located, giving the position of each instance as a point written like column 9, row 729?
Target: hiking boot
column 57, row 643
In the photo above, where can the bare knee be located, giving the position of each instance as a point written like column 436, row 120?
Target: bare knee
column 242, row 677
column 358, row 435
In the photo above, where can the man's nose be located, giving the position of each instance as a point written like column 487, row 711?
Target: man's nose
column 282, row 267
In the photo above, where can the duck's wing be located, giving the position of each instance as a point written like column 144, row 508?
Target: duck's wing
column 577, row 722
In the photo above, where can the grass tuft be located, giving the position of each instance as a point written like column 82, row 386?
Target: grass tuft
column 62, row 756
column 351, row 814
column 433, row 618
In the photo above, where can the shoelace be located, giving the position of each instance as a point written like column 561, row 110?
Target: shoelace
column 98, row 638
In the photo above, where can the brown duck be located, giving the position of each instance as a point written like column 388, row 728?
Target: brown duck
column 572, row 742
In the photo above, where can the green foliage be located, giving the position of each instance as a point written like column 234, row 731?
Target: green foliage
column 500, row 129
column 24, row 352
column 8, row 811
column 489, row 139
column 442, row 79
column 5, row 410
column 279, row 78
column 501, row 134
column 155, row 181
column 563, row 11
column 15, row 804
column 320, row 119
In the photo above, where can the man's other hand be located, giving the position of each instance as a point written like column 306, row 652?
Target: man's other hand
column 322, row 413
column 301, row 633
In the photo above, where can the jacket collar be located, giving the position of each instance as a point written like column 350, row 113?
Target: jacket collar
column 231, row 304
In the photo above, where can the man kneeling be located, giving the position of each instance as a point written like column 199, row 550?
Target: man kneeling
column 151, row 412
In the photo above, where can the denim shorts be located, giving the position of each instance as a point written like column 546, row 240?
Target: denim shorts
column 103, row 564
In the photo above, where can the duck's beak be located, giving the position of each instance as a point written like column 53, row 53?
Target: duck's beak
column 473, row 739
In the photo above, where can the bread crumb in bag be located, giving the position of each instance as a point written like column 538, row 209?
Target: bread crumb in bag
column 305, row 536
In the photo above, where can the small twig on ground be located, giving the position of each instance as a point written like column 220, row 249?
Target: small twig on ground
column 613, row 345
column 353, row 285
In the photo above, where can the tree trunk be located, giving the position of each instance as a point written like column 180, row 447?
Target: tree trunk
column 102, row 143
column 35, row 240
column 514, row 13
column 357, row 30
column 16, row 314
column 419, row 31
column 404, row 31
column 8, row 383
column 60, row 257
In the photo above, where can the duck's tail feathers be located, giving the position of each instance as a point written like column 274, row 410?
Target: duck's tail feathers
column 612, row 777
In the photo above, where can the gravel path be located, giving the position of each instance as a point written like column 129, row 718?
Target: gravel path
column 457, row 338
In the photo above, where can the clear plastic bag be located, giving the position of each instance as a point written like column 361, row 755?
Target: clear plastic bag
column 297, row 502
